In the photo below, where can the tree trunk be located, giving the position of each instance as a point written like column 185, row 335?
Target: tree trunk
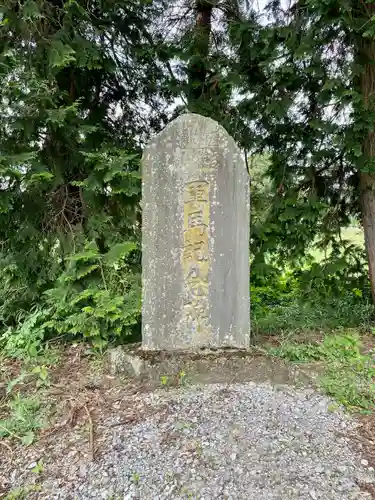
column 366, row 55
column 367, row 184
column 197, row 69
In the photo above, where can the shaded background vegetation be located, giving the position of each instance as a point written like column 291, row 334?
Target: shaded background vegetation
column 83, row 87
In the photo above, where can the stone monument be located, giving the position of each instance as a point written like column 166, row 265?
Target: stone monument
column 195, row 238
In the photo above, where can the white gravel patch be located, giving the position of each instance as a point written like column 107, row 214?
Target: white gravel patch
column 243, row 441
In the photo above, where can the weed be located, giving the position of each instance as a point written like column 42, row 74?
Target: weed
column 17, row 381
column 311, row 315
column 23, row 420
column 182, row 377
column 351, row 384
column 199, row 449
column 38, row 374
column 334, row 347
column 164, row 380
column 136, row 478
column 186, row 491
column 41, row 372
column 39, row 468
column 333, row 407
column 23, row 492
column 22, row 413
column 97, row 360
column 25, row 341
column 349, row 375
column 183, row 425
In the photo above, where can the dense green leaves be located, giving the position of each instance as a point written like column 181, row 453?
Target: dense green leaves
column 75, row 80
column 83, row 86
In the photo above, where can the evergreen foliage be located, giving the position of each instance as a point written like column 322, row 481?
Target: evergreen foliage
column 83, row 86
column 77, row 80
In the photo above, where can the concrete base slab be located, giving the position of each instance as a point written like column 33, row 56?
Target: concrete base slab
column 204, row 366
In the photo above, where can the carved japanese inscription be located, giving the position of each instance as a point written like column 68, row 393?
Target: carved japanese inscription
column 196, row 260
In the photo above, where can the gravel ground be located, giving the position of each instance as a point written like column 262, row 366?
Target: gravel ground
column 240, row 441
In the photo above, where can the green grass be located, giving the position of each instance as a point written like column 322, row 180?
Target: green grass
column 22, row 413
column 23, row 493
column 314, row 314
column 349, row 375
column 23, row 420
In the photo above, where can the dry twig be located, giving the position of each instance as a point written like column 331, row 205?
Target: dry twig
column 6, row 446
column 91, row 434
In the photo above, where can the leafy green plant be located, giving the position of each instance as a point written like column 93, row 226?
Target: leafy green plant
column 24, row 419
column 82, row 303
column 39, row 374
column 23, row 492
column 282, row 302
column 333, row 347
column 69, row 210
column 308, row 294
column 352, row 383
column 42, row 375
column 136, row 477
column 182, row 377
column 26, row 339
column 97, row 297
column 349, row 376
column 38, row 468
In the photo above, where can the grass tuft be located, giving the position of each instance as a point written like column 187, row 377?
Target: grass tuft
column 350, row 373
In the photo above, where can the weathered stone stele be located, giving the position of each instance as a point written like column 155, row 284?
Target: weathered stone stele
column 195, row 238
